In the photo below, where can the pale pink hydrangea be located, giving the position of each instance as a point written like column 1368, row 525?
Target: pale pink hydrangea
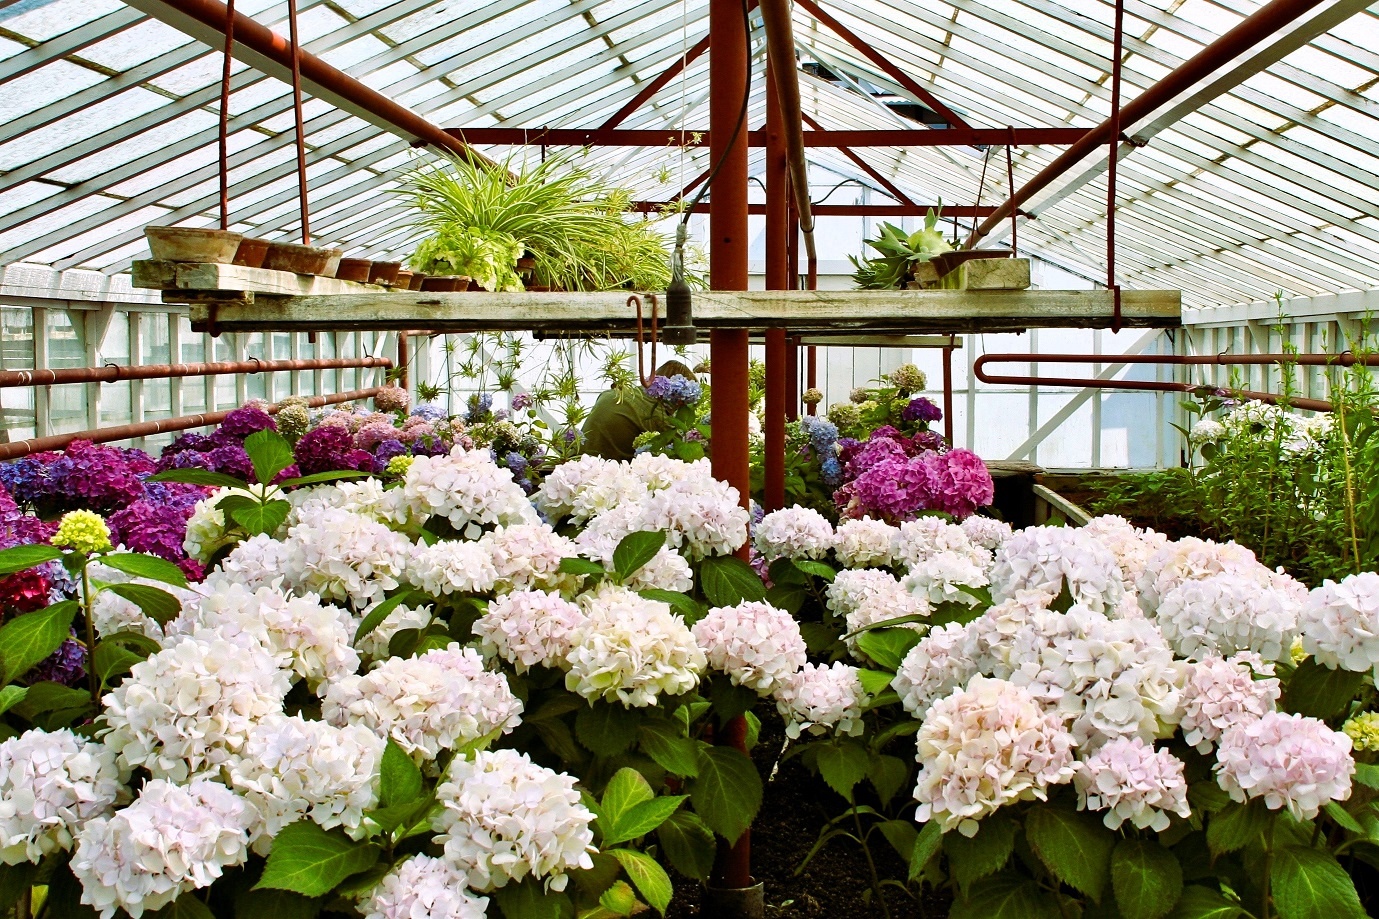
column 946, row 577
column 1131, row 545
column 866, row 543
column 1191, row 559
column 1218, row 694
column 941, row 663
column 667, row 570
column 341, row 555
column 187, row 710
column 257, row 562
column 1290, row 761
column 290, row 768
column 851, row 587
column 449, row 567
column 440, row 700
column 1052, row 559
column 423, row 887
column 926, row 537
column 884, row 608
column 631, row 650
column 365, row 497
column 173, row 839
column 588, row 486
column 657, row 471
column 984, row 747
column 504, row 818
column 529, row 628
column 50, row 785
column 702, row 516
column 794, row 533
column 986, row 532
column 1014, row 631
column 819, row 698
column 755, row 644
column 112, row 613
column 467, row 489
column 1340, row 623
column 374, row 644
column 1130, row 780
column 527, row 555
column 1225, row 613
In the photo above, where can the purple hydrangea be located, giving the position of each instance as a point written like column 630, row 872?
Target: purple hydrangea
column 569, row 435
column 188, row 441
column 428, row 411
column 898, row 487
column 516, row 462
column 521, row 402
column 673, row 392
column 156, row 529
column 174, row 494
column 249, row 419
column 371, row 435
column 480, row 408
column 930, row 440
column 921, row 410
column 66, row 665
column 325, row 449
column 231, row 460
column 95, row 477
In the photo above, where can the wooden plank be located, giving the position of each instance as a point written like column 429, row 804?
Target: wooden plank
column 205, row 276
column 1057, row 503
column 805, row 311
column 880, row 341
column 988, row 274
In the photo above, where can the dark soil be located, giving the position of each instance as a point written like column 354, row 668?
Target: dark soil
column 794, row 808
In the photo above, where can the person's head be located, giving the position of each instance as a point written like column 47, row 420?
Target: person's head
column 675, row 368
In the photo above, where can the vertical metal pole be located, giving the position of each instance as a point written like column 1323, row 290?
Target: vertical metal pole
column 777, row 278
column 948, row 394
column 403, row 356
column 297, row 112
column 728, row 348
column 792, row 249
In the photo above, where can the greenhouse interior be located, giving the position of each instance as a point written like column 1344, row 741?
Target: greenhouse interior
column 745, row 459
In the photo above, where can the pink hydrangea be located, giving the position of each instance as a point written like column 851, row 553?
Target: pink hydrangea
column 1130, row 780
column 528, row 628
column 1340, row 623
column 1218, row 694
column 794, row 532
column 818, row 698
column 371, row 435
column 939, row 664
column 1290, row 761
column 755, row 644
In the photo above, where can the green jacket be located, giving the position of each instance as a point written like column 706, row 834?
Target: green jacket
column 615, row 421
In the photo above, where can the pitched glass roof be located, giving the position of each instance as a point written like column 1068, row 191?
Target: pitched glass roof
column 108, row 122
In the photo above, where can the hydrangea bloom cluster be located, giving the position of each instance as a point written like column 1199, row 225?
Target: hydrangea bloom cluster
column 1051, row 559
column 341, row 555
column 423, row 887
column 171, row 840
column 986, row 746
column 795, row 533
column 819, row 698
column 439, row 700
column 755, row 644
column 631, row 650
column 1130, row 780
column 50, row 785
column 529, row 628
column 673, row 392
column 466, row 488
column 1363, row 731
column 1289, row 761
column 852, row 587
column 527, row 555
column 1131, row 546
column 85, row 476
column 504, row 818
column 449, row 567
column 866, row 543
column 1225, row 613
column 82, row 531
column 1219, row 694
column 586, row 487
column 987, row 532
column 891, row 483
column 1340, row 623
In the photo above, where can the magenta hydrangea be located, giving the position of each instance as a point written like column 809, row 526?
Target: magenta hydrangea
column 247, row 420
column 156, row 529
column 324, row 449
column 371, row 435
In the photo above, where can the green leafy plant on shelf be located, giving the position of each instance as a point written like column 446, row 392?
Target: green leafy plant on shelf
column 488, row 257
column 900, row 251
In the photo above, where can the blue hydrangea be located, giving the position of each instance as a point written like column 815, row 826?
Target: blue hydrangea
column 480, row 408
column 674, row 392
column 429, row 411
column 516, row 462
column 823, row 434
column 831, row 471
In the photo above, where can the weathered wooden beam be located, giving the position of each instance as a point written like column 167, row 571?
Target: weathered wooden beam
column 152, row 274
column 802, row 311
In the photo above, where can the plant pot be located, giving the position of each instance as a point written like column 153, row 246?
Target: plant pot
column 403, row 280
column 384, row 272
column 445, row 284
column 192, row 244
column 526, row 264
column 333, row 257
column 475, row 285
column 947, row 261
column 354, row 269
column 296, row 258
column 251, row 252
column 416, row 280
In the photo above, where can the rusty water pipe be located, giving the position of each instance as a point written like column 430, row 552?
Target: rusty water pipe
column 259, row 38
column 1247, row 33
column 780, row 52
column 111, row 373
column 145, row 428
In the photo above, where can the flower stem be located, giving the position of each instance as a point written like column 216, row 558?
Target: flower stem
column 88, row 608
column 871, row 865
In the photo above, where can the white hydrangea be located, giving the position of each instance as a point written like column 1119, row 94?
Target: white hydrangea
column 187, row 710
column 853, row 586
column 1288, row 760
column 305, row 637
column 291, row 768
column 819, row 698
column 50, row 785
column 112, row 613
column 702, row 516
column 466, row 488
column 986, row 532
column 1130, row 780
column 527, row 555
column 1191, row 559
column 257, row 562
column 208, row 530
column 1053, row 558
column 1132, row 546
column 529, row 628
column 946, row 577
column 755, row 644
column 1207, row 431
column 374, row 644
column 866, row 543
column 986, row 746
column 941, row 663
column 586, row 487
column 667, row 570
column 1226, row 613
column 883, row 608
column 449, row 567
column 341, row 555
column 630, row 649
column 366, row 497
column 926, row 537
column 171, row 840
column 1218, row 694
column 1014, row 631
column 795, row 533
column 423, row 887
column 657, row 471
column 440, row 700
column 504, row 818
column 1340, row 623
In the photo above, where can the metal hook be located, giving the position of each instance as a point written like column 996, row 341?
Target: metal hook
column 635, row 301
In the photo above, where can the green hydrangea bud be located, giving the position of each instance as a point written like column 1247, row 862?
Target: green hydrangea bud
column 399, row 465
column 83, row 531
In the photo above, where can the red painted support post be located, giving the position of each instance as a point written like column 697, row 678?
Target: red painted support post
column 948, row 394
column 792, row 396
column 728, row 76
column 777, row 278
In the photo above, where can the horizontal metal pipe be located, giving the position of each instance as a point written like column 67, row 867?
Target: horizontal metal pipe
column 145, row 428
column 883, row 137
column 111, row 373
column 836, row 210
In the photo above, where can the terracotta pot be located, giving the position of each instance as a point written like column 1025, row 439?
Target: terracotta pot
column 445, row 284
column 333, row 257
column 296, row 258
column 354, row 269
column 475, row 285
column 403, row 281
column 384, row 272
column 251, row 252
column 418, row 278
column 526, row 264
column 192, row 244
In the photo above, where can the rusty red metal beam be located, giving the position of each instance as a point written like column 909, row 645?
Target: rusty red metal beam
column 883, row 137
column 864, row 166
column 880, row 60
column 111, row 373
column 834, row 210
column 1247, row 33
column 656, row 85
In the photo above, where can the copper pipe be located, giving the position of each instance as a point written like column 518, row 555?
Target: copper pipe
column 777, row 278
column 780, row 52
column 1247, row 33
column 296, row 56
column 111, row 373
column 403, row 357
column 656, row 85
column 224, row 129
column 145, row 428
